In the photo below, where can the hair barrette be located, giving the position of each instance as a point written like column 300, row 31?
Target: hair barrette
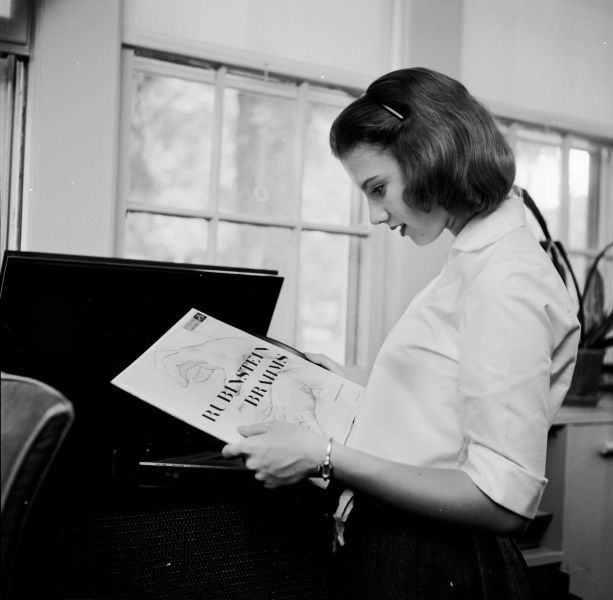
column 389, row 109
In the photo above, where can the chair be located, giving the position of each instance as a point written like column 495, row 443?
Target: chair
column 35, row 419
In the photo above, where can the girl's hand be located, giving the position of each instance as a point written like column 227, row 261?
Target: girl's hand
column 326, row 362
column 279, row 453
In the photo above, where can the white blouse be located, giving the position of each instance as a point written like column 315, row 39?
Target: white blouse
column 474, row 371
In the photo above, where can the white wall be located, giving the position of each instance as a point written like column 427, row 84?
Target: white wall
column 547, row 58
column 71, row 128
column 349, row 39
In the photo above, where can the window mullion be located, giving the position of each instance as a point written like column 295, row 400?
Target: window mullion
column 352, row 300
column 299, row 144
column 358, row 300
column 565, row 192
column 123, row 192
column 370, row 333
column 13, row 186
column 294, row 275
column 605, row 191
column 214, row 186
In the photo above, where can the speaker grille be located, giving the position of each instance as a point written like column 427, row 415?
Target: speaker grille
column 256, row 548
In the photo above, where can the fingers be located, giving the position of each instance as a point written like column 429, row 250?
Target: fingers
column 316, row 358
column 234, row 451
column 274, row 457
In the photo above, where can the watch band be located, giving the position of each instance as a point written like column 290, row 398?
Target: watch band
column 325, row 469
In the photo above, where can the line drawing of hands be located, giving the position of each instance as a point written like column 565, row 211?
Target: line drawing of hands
column 197, row 363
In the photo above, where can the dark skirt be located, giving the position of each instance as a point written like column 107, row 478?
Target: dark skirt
column 390, row 554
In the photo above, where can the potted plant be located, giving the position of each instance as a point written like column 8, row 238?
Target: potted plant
column 595, row 318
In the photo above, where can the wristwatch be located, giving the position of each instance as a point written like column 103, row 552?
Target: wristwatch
column 324, row 470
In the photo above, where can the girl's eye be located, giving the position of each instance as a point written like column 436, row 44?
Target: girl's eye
column 378, row 190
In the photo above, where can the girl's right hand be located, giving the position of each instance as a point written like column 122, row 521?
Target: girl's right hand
column 327, row 363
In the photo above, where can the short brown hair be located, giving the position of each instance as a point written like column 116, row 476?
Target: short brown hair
column 448, row 146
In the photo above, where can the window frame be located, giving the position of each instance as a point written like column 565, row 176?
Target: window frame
column 14, row 99
column 363, row 325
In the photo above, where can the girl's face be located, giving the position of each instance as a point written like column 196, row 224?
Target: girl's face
column 378, row 175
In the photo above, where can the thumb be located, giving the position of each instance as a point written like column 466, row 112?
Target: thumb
column 326, row 362
column 231, row 451
column 255, row 429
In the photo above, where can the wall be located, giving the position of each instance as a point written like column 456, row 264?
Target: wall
column 346, row 39
column 552, row 59
column 547, row 58
column 71, row 127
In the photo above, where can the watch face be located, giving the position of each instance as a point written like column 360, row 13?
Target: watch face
column 325, row 469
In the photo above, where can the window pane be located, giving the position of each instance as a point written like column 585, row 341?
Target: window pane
column 261, row 247
column 327, row 293
column 583, row 206
column 254, row 246
column 158, row 237
column 257, row 154
column 539, row 172
column 170, row 141
column 326, row 189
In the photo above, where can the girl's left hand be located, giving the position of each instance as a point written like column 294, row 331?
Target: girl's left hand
column 279, row 453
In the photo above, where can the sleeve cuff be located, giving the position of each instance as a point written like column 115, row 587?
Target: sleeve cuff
column 504, row 481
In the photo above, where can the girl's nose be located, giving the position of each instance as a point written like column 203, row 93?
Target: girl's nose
column 377, row 213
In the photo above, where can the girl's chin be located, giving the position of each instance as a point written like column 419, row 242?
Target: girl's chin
column 421, row 239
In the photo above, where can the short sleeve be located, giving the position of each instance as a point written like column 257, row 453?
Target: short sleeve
column 506, row 340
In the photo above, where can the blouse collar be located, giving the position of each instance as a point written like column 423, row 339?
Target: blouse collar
column 483, row 230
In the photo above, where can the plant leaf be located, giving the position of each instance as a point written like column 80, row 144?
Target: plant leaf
column 580, row 312
column 608, row 341
column 594, row 338
column 593, row 301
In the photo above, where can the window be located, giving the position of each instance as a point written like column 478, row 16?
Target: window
column 221, row 165
column 568, row 177
column 233, row 168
